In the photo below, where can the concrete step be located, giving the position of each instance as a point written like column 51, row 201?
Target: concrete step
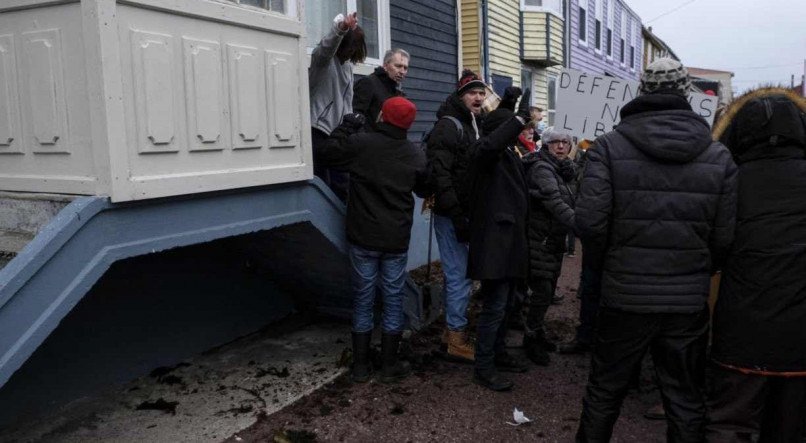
column 22, row 216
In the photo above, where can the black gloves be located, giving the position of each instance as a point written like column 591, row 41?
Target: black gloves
column 523, row 107
column 461, row 227
column 353, row 122
column 510, row 97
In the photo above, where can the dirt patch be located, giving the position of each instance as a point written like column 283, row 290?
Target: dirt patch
column 439, row 402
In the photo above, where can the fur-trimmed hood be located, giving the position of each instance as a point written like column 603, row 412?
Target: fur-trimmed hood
column 761, row 120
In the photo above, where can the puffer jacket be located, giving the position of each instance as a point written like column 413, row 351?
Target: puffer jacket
column 657, row 207
column 448, row 157
column 551, row 211
column 760, row 316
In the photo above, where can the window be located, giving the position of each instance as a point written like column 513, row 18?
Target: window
column 552, row 107
column 599, row 5
column 632, row 57
column 373, row 17
column 583, row 25
column 271, row 5
column 611, row 20
column 526, row 81
column 621, row 51
column 610, row 43
column 598, row 35
column 552, row 6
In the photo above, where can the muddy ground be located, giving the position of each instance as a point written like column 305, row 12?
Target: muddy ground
column 440, row 403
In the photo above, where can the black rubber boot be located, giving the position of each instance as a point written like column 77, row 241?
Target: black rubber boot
column 362, row 368
column 393, row 370
column 534, row 349
column 493, row 380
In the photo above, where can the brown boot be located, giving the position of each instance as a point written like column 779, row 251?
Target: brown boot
column 460, row 349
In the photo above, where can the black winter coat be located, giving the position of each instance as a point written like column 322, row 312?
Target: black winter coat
column 370, row 92
column 760, row 316
column 551, row 211
column 384, row 169
column 498, row 207
column 657, row 205
column 448, row 158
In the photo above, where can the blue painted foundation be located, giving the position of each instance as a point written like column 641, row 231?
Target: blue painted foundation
column 40, row 288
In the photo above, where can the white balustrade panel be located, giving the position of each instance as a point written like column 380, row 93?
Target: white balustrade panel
column 208, row 105
column 44, row 123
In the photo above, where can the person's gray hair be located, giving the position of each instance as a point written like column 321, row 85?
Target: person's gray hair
column 551, row 134
column 391, row 53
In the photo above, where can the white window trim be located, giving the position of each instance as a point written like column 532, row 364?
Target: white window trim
column 601, row 35
column 384, row 37
column 550, row 10
column 290, row 7
column 623, row 37
column 610, row 43
column 583, row 42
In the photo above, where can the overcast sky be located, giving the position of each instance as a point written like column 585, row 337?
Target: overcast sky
column 760, row 41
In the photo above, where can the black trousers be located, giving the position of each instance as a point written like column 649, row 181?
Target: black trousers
column 590, row 282
column 677, row 344
column 491, row 326
column 339, row 182
column 744, row 408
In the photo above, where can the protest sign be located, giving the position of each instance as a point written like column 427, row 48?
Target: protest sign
column 589, row 105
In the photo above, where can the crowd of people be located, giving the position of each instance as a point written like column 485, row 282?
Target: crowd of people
column 661, row 204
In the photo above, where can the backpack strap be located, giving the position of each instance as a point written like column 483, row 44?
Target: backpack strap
column 457, row 123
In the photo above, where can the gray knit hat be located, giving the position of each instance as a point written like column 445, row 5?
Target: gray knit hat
column 665, row 74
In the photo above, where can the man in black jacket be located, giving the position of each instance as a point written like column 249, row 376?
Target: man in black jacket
column 758, row 382
column 498, row 251
column 457, row 128
column 371, row 92
column 384, row 168
column 657, row 208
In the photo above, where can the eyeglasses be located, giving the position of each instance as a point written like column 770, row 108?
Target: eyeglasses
column 565, row 142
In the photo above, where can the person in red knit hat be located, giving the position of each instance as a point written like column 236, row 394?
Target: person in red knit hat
column 385, row 167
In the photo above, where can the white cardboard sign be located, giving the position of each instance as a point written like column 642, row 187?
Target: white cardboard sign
column 589, row 105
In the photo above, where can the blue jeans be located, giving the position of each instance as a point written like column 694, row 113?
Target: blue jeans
column 365, row 267
column 453, row 256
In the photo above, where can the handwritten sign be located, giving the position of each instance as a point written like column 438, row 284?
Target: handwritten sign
column 589, row 105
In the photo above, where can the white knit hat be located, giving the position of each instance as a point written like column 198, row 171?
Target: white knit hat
column 665, row 74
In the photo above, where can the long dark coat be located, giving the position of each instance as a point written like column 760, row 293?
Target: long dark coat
column 760, row 316
column 498, row 207
column 370, row 92
column 551, row 211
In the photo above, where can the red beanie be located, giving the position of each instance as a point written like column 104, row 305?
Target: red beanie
column 397, row 111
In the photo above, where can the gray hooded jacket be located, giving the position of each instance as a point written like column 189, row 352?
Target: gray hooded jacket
column 330, row 83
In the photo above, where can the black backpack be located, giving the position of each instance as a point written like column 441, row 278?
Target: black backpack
column 456, row 122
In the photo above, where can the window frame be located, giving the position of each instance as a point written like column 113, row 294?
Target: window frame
column 624, row 18
column 551, row 113
column 598, row 24
column 555, row 9
column 290, row 7
column 582, row 25
column 609, row 44
column 384, row 35
column 611, row 25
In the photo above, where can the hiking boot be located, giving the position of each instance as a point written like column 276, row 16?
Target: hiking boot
column 362, row 368
column 459, row 348
column 393, row 369
column 539, row 339
column 574, row 347
column 493, row 381
column 535, row 351
column 506, row 362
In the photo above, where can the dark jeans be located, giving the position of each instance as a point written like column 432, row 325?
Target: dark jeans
column 590, row 282
column 339, row 182
column 743, row 407
column 677, row 344
column 491, row 329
